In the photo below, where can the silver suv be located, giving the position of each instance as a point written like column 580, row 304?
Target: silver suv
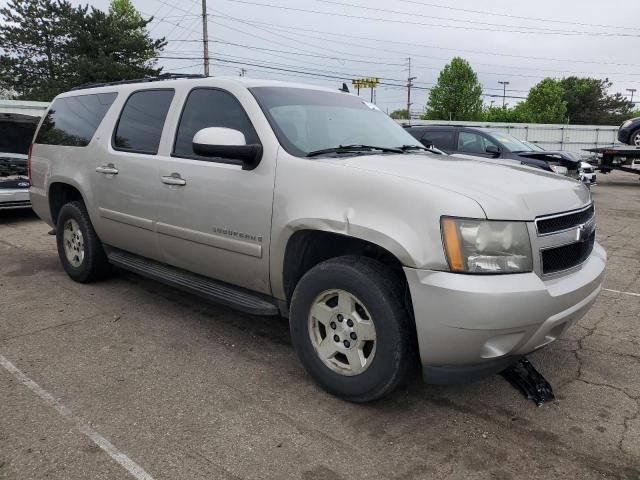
column 287, row 199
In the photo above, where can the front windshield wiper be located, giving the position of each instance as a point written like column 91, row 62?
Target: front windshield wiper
column 405, row 148
column 352, row 148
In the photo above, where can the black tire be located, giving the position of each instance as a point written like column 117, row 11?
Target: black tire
column 94, row 265
column 381, row 292
column 632, row 138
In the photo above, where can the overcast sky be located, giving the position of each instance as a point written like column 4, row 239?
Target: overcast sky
column 585, row 37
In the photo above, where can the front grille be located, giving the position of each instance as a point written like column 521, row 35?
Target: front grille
column 564, row 222
column 568, row 256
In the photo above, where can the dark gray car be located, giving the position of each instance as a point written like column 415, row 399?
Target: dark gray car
column 488, row 143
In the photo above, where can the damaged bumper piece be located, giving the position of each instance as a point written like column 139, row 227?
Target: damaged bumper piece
column 472, row 326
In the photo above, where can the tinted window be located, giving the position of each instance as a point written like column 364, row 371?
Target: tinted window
column 210, row 108
column 473, row 143
column 442, row 139
column 141, row 121
column 72, row 121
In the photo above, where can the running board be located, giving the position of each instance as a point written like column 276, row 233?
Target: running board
column 218, row 292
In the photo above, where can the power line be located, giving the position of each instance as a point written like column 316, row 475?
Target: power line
column 499, row 14
column 423, row 45
column 408, row 22
column 475, row 22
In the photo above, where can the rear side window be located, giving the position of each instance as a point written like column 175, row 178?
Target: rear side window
column 206, row 107
column 72, row 121
column 442, row 139
column 142, row 120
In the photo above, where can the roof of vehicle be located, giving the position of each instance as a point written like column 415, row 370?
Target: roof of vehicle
column 196, row 80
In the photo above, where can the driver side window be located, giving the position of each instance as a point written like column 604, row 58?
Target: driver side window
column 469, row 142
column 207, row 107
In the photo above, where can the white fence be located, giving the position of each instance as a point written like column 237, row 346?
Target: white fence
column 23, row 107
column 574, row 138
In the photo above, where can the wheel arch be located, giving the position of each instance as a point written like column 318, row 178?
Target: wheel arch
column 307, row 247
column 58, row 194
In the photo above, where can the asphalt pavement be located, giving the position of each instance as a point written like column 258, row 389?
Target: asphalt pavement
column 127, row 378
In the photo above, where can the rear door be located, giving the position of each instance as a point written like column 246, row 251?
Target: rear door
column 125, row 172
column 215, row 217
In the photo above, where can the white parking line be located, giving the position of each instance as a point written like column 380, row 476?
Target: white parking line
column 132, row 467
column 623, row 293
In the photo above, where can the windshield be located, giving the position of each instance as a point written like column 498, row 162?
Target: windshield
column 307, row 120
column 510, row 142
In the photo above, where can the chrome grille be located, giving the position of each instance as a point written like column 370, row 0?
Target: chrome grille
column 565, row 240
column 559, row 223
column 568, row 256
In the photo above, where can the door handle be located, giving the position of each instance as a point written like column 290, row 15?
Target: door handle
column 174, row 179
column 108, row 169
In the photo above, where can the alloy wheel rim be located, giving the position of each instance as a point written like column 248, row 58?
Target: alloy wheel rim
column 73, row 243
column 342, row 332
column 636, row 140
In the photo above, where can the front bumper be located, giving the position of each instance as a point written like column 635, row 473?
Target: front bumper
column 12, row 198
column 474, row 325
column 624, row 134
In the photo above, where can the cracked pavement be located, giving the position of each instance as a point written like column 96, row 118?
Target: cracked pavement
column 189, row 389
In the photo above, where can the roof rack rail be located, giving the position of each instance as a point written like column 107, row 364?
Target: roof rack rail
column 162, row 76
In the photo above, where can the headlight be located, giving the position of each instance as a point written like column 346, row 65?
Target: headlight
column 485, row 246
column 626, row 123
column 559, row 169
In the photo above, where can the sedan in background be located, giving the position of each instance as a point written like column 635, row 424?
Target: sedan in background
column 629, row 132
column 14, row 181
column 481, row 142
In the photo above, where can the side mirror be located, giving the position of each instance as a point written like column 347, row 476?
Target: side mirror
column 227, row 143
column 493, row 150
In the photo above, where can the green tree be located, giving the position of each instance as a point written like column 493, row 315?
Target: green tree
column 517, row 114
column 588, row 102
column 115, row 45
column 545, row 102
column 457, row 95
column 34, row 40
column 400, row 114
column 49, row 46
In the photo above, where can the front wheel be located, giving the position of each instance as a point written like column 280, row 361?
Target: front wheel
column 350, row 328
column 634, row 138
column 79, row 248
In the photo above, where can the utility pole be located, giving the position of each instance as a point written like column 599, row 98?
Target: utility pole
column 504, row 92
column 410, row 80
column 632, row 90
column 205, row 38
column 243, row 72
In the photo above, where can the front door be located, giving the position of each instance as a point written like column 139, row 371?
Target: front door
column 472, row 143
column 215, row 217
column 124, row 182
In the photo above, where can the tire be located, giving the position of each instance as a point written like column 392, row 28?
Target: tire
column 634, row 138
column 377, row 295
column 82, row 255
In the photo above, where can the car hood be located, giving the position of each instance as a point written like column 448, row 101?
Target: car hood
column 549, row 154
column 504, row 191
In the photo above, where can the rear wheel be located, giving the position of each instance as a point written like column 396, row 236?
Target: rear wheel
column 350, row 328
column 79, row 248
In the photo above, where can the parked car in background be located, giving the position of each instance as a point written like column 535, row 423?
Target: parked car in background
column 286, row 199
column 480, row 142
column 14, row 181
column 587, row 173
column 629, row 132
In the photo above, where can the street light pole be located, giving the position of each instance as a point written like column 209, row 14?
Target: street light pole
column 632, row 90
column 504, row 92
